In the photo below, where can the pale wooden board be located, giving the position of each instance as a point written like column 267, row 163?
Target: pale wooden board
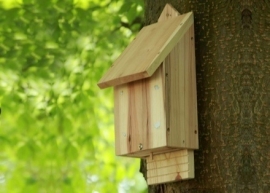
column 193, row 121
column 167, row 156
column 182, row 93
column 180, row 86
column 145, row 153
column 182, row 98
column 147, row 51
column 167, row 13
column 168, row 167
column 168, row 162
column 176, row 93
column 140, row 115
column 168, row 159
column 161, row 171
column 169, row 178
column 121, row 101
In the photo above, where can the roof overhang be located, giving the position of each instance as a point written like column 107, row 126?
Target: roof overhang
column 147, row 51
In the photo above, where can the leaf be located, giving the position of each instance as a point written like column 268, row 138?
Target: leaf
column 71, row 152
column 25, row 152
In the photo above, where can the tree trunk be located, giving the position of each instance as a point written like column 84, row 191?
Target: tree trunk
column 233, row 86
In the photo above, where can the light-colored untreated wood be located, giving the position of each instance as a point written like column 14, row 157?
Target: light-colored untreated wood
column 146, row 52
column 167, row 13
column 144, row 153
column 140, row 120
column 168, row 167
column 181, row 94
column 180, row 86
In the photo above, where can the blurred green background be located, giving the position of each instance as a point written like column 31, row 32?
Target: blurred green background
column 56, row 125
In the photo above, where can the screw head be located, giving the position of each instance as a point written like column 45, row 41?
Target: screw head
column 140, row 146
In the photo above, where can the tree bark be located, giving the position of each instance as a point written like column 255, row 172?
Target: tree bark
column 233, row 87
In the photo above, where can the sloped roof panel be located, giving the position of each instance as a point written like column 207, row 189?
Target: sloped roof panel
column 147, row 51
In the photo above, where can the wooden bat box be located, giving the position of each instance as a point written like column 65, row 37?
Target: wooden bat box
column 155, row 98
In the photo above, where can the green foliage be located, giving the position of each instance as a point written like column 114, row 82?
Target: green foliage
column 57, row 130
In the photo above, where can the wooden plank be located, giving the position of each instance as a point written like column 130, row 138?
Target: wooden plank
column 168, row 12
column 145, row 153
column 157, row 113
column 147, row 51
column 161, row 171
column 140, row 118
column 182, row 98
column 185, row 62
column 176, row 89
column 168, row 167
column 193, row 85
column 170, row 178
column 168, row 156
column 137, row 117
column 167, row 163
column 121, row 97
column 192, row 96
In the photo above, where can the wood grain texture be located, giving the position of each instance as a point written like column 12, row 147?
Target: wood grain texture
column 168, row 12
column 181, row 95
column 147, row 51
column 140, row 115
column 168, row 167
column 181, row 90
column 233, row 59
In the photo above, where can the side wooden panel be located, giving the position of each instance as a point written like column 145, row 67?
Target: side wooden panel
column 193, row 121
column 174, row 65
column 140, row 122
column 169, row 167
column 181, row 89
column 180, row 86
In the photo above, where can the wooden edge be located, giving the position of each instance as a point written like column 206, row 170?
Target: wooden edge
column 145, row 153
column 122, row 80
column 168, row 155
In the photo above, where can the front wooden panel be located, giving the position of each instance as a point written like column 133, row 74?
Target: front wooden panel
column 140, row 122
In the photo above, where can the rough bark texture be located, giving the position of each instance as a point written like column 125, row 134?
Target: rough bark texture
column 233, row 84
